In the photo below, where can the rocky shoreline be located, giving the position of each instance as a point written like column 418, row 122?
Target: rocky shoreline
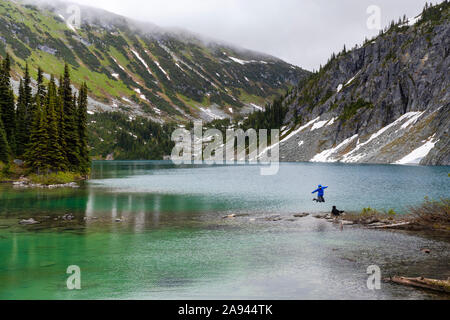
column 25, row 183
column 370, row 222
column 403, row 223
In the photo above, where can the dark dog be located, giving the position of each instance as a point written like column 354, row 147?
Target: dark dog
column 336, row 213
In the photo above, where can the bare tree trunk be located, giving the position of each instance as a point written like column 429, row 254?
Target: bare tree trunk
column 431, row 284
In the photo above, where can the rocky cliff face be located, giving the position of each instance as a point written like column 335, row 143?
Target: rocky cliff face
column 385, row 102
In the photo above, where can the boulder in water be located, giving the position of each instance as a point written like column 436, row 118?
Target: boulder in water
column 68, row 217
column 30, row 221
column 274, row 218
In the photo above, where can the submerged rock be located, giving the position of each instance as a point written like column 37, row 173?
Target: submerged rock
column 322, row 216
column 30, row 221
column 274, row 218
column 301, row 215
column 68, row 217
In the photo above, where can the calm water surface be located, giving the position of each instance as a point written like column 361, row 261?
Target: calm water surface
column 174, row 243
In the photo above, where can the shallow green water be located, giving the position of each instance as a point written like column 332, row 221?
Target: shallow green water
column 173, row 242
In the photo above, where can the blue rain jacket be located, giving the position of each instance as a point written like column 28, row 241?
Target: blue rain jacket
column 320, row 190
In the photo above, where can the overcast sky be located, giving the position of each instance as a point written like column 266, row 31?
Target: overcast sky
column 302, row 32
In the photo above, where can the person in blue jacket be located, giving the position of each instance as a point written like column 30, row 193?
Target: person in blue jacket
column 320, row 191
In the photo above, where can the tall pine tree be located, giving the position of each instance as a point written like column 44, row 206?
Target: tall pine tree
column 28, row 98
column 40, row 87
column 61, row 118
column 54, row 151
column 35, row 155
column 7, row 105
column 51, row 127
column 4, row 147
column 24, row 114
column 70, row 127
column 22, row 134
column 82, row 130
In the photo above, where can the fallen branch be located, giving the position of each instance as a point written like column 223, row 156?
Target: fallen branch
column 387, row 226
column 431, row 284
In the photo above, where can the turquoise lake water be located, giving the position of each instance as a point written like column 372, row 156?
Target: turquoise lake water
column 174, row 243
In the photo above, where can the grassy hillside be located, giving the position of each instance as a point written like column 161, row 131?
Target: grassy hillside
column 160, row 74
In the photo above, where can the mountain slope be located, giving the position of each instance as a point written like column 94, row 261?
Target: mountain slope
column 385, row 102
column 139, row 68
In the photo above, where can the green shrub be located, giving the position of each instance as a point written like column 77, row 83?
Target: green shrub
column 369, row 212
column 54, row 178
column 392, row 213
column 5, row 169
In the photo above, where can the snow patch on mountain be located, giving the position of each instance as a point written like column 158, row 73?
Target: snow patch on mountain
column 319, row 125
column 162, row 70
column 354, row 156
column 301, row 129
column 326, row 156
column 352, row 79
column 123, row 69
column 413, row 120
column 211, row 114
column 142, row 61
column 244, row 62
column 418, row 154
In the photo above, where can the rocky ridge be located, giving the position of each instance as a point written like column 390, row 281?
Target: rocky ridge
column 385, row 102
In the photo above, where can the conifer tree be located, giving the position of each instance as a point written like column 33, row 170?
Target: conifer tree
column 4, row 147
column 70, row 129
column 54, row 153
column 28, row 98
column 82, row 129
column 35, row 156
column 7, row 106
column 61, row 118
column 50, row 128
column 21, row 129
column 24, row 114
column 40, row 87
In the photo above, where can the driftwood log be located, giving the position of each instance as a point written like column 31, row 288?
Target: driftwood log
column 431, row 284
column 388, row 226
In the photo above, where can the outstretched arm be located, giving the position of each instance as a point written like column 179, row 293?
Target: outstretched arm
column 324, row 187
column 315, row 191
